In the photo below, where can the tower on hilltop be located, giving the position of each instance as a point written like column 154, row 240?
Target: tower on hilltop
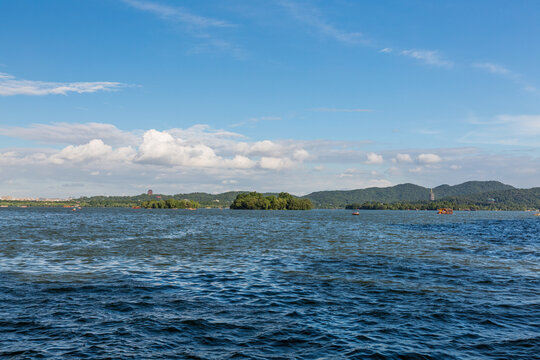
column 431, row 195
column 149, row 192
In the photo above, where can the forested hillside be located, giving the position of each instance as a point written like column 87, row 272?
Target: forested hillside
column 400, row 193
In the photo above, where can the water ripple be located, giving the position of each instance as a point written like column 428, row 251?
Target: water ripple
column 119, row 283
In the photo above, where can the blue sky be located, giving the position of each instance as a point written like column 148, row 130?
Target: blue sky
column 116, row 96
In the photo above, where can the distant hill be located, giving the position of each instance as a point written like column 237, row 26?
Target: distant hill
column 340, row 198
column 468, row 188
column 401, row 193
column 481, row 194
column 503, row 199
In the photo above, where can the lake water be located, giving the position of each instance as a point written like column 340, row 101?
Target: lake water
column 207, row 284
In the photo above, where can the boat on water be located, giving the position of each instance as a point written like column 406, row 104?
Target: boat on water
column 356, row 213
column 445, row 211
column 537, row 214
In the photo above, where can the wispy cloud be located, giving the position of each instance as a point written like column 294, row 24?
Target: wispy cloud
column 500, row 70
column 313, row 17
column 66, row 133
column 515, row 130
column 428, row 132
column 325, row 109
column 213, row 45
column 177, row 14
column 495, row 69
column 9, row 85
column 255, row 120
column 429, row 57
column 200, row 27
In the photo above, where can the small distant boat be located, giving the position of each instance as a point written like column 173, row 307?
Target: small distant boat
column 356, row 213
column 445, row 211
column 135, row 207
column 537, row 214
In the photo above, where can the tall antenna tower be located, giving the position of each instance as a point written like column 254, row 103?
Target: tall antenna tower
column 431, row 195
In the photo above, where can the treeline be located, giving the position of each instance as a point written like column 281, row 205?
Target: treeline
column 456, row 204
column 170, row 204
column 257, row 201
column 412, row 206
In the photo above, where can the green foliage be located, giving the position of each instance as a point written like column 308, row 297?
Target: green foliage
column 512, row 199
column 257, row 201
column 170, row 204
column 408, row 193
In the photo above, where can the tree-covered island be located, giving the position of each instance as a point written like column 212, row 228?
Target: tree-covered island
column 257, row 201
column 170, row 204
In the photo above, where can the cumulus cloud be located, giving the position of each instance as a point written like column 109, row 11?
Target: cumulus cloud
column 274, row 163
column 95, row 150
column 200, row 158
column 374, row 159
column 402, row 158
column 9, row 85
column 428, row 158
column 159, row 147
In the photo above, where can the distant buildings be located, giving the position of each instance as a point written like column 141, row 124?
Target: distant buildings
column 11, row 198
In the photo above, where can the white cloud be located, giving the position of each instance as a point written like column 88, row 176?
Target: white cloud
column 256, row 120
column 402, row 158
column 177, row 14
column 512, row 130
column 203, row 29
column 66, row 133
column 386, row 50
column 95, row 150
column 274, row 163
column 495, row 69
column 429, row 57
column 374, row 159
column 325, row 109
column 313, row 17
column 507, row 73
column 9, row 85
column 200, row 158
column 162, row 148
column 428, row 158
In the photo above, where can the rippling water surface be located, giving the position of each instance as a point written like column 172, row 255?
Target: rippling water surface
column 123, row 283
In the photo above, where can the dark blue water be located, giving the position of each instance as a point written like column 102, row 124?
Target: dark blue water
column 207, row 284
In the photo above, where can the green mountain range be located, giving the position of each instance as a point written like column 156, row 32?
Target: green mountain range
column 402, row 193
column 492, row 195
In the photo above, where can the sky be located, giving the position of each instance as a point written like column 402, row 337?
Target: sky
column 114, row 97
